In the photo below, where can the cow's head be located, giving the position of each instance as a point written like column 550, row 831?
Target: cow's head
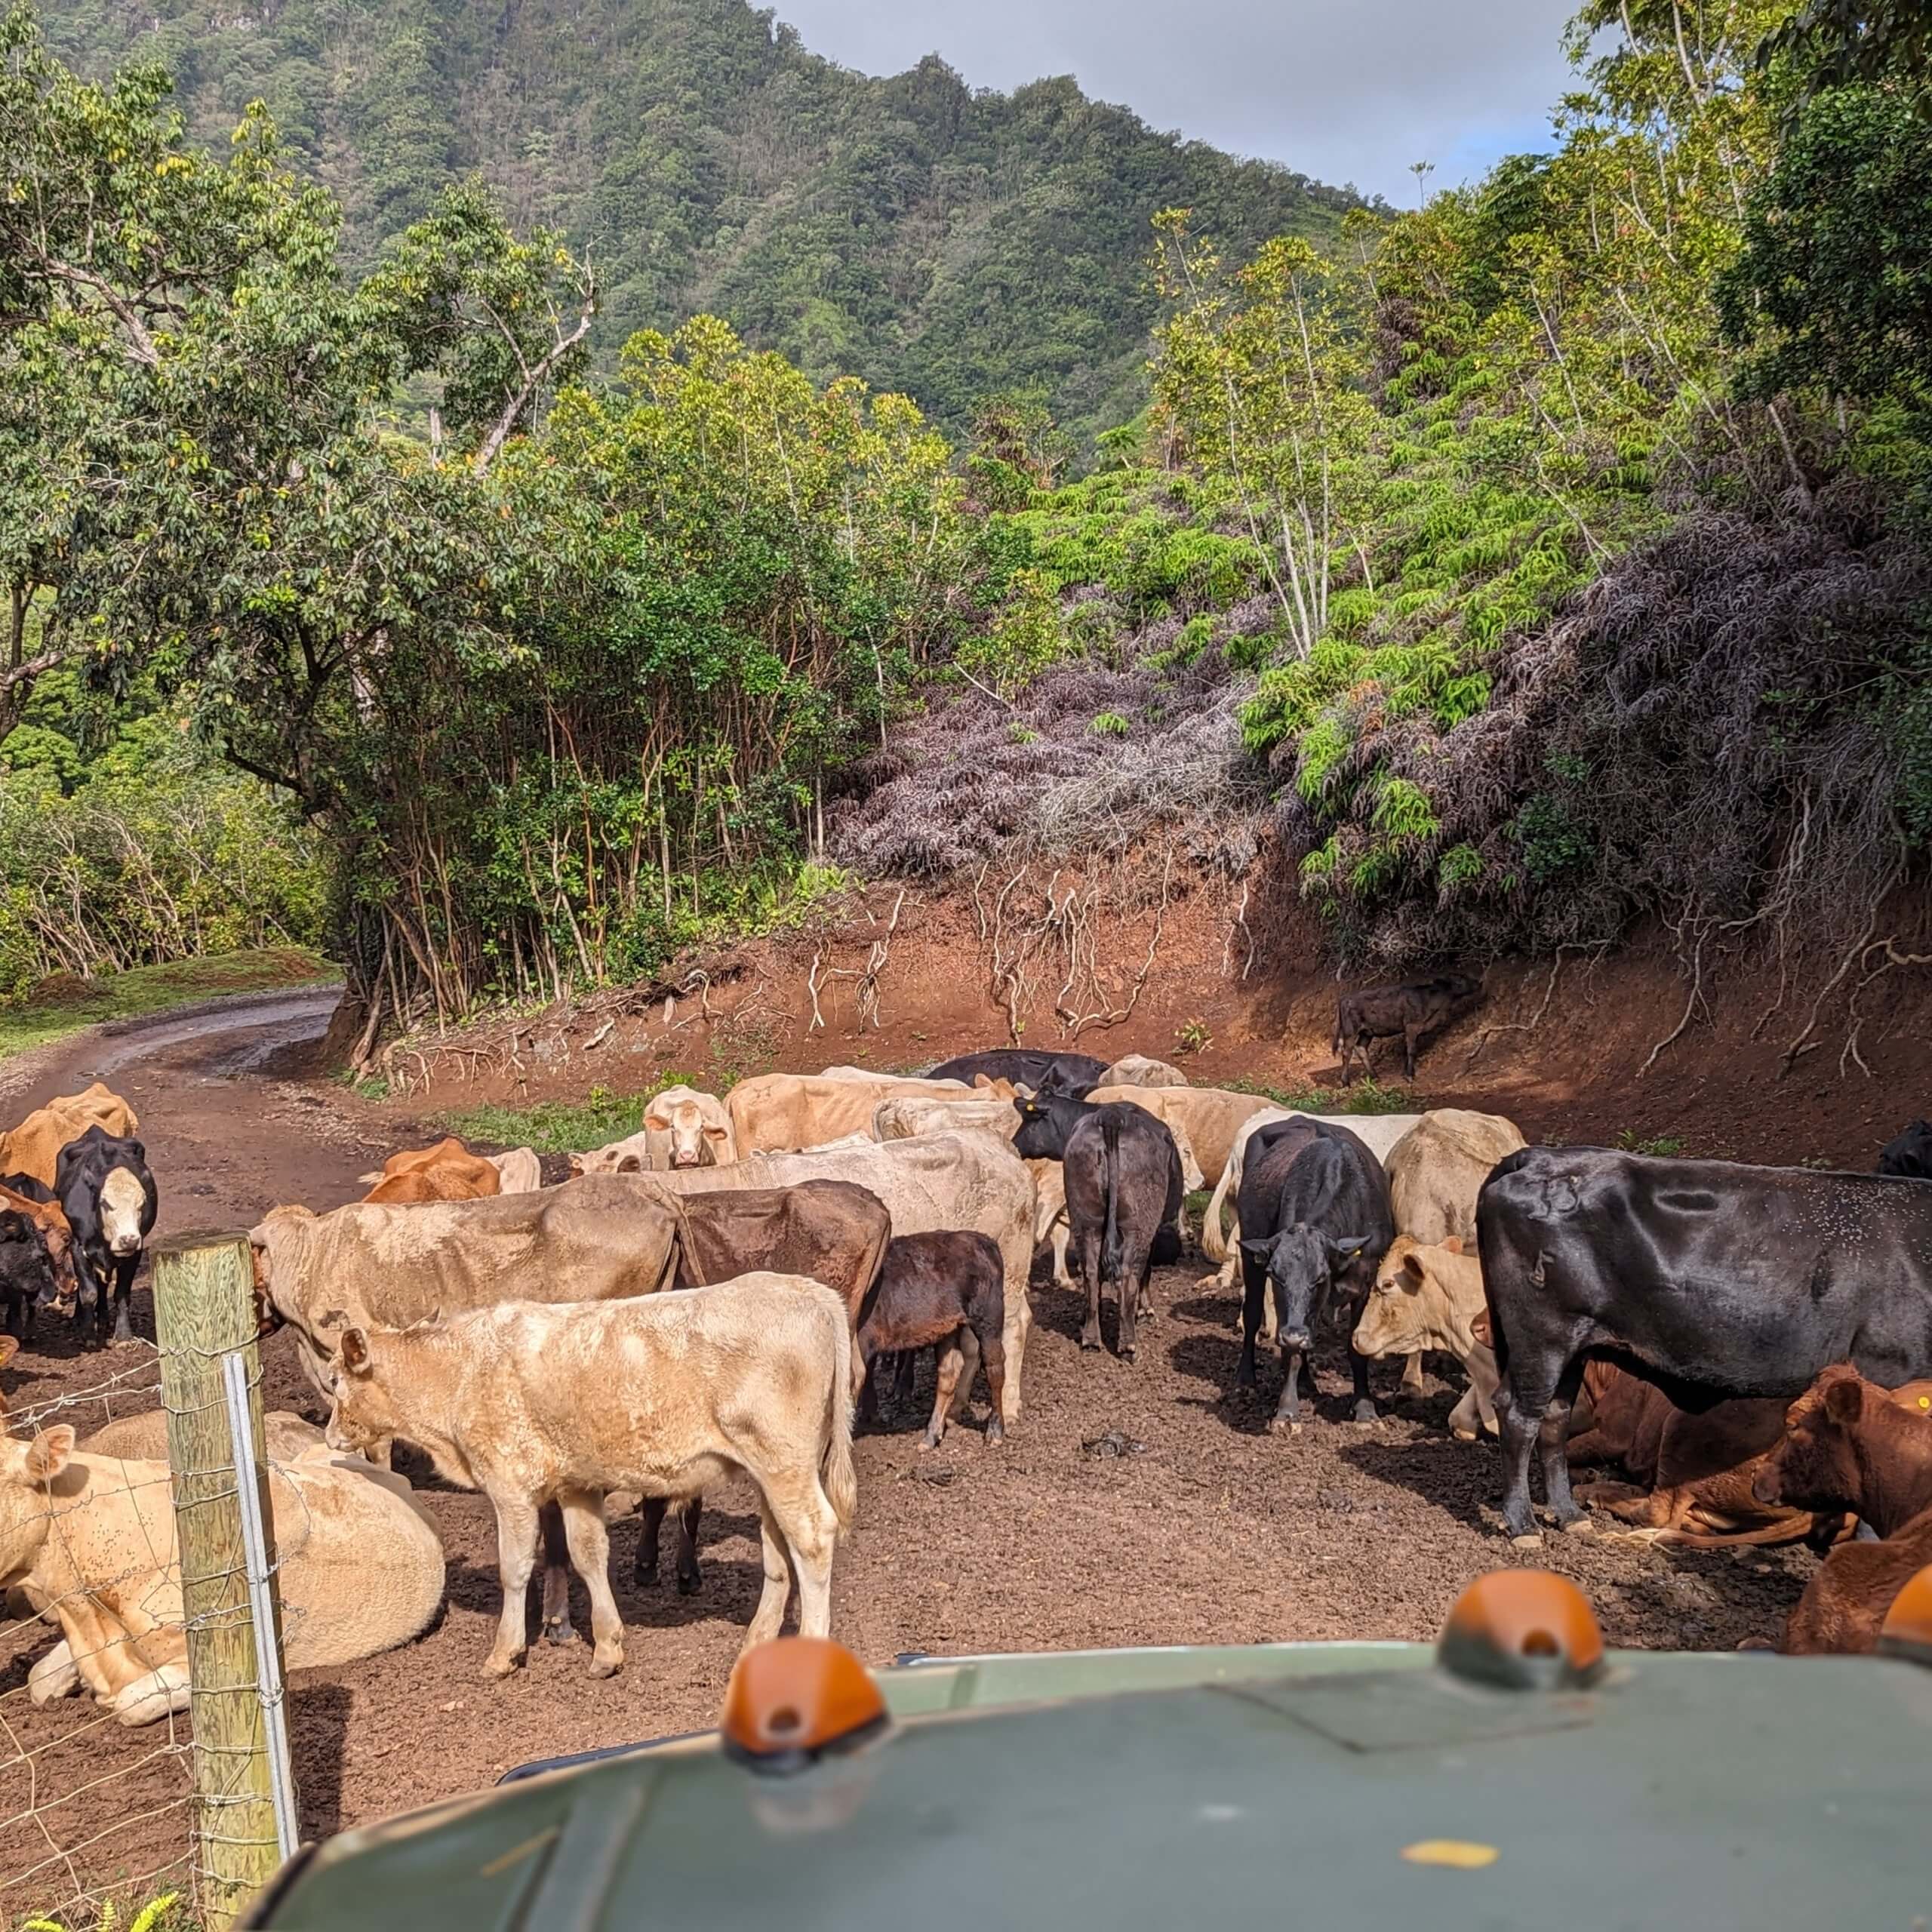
column 695, row 1142
column 1038, row 1139
column 123, row 1209
column 1411, row 1307
column 361, row 1415
column 1817, row 1466
column 28, row 1472
column 27, row 1263
column 1302, row 1264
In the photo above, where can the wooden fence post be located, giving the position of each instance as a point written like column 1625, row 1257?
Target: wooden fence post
column 204, row 1309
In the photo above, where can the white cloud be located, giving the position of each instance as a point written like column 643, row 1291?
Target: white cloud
column 1346, row 92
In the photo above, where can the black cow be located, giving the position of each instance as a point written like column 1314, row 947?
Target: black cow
column 1407, row 1013
column 1705, row 1278
column 1078, row 1074
column 1909, row 1156
column 26, row 1271
column 105, row 1190
column 1315, row 1222
column 1123, row 1197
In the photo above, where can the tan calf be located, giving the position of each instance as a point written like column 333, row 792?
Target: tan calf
column 682, row 1128
column 751, row 1375
column 1428, row 1296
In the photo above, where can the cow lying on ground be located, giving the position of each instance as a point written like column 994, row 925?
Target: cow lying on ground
column 944, row 1288
column 520, row 1171
column 1908, row 1156
column 753, row 1374
column 1314, row 1201
column 1123, row 1177
column 447, row 1172
column 1026, row 1066
column 774, row 1112
column 1844, row 1606
column 1429, row 1296
column 360, row 1568
column 108, row 1195
column 1381, row 1134
column 36, row 1252
column 1700, row 1478
column 1409, row 1013
column 1847, row 1444
column 1707, row 1279
column 144, row 1439
column 34, row 1147
column 682, row 1128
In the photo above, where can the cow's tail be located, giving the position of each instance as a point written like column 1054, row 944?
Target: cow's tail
column 835, row 1468
column 1110, row 1258
column 1213, row 1242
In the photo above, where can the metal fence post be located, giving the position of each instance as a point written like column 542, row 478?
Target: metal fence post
column 205, row 1312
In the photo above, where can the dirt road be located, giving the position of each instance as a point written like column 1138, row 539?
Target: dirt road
column 1207, row 1529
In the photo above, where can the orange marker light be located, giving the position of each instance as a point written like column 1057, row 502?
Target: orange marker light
column 1527, row 1629
column 795, row 1697
column 1908, row 1627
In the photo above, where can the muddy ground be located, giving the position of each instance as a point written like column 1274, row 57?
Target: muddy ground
column 1208, row 1529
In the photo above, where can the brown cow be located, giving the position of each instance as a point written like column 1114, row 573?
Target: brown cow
column 447, row 1172
column 1849, row 1444
column 946, row 1288
column 36, row 1252
column 1844, row 1606
column 1409, row 1012
column 34, row 1147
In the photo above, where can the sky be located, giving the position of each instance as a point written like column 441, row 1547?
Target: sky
column 1346, row 91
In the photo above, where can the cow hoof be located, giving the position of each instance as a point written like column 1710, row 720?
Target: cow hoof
column 687, row 1583
column 995, row 1436
column 603, row 1665
column 1463, row 1435
column 558, row 1632
column 1089, row 1341
column 1530, row 1540
column 1365, row 1412
column 645, row 1580
column 1577, row 1526
column 502, row 1667
column 1281, row 1425
column 928, row 1440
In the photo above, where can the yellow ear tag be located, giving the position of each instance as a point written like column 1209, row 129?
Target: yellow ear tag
column 1460, row 1854
column 1925, row 1401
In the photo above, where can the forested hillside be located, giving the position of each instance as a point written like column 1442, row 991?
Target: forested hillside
column 929, row 238
column 1500, row 576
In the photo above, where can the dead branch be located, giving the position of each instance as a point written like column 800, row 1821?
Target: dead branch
column 1528, row 1026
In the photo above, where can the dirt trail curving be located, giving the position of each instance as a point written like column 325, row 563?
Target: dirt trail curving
column 1209, row 1530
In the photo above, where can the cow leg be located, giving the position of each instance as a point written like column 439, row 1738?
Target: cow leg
column 688, row 1576
column 992, row 1351
column 1412, row 1374
column 1061, row 1234
column 951, row 1361
column 1254, row 1292
column 650, row 1513
column 969, row 1345
column 1348, row 1057
column 516, row 1557
column 769, row 1617
column 1126, row 1296
column 1411, row 1039
column 810, row 1529
column 125, row 1269
column 589, row 1544
column 1358, row 1374
column 1552, row 1439
column 556, row 1576
column 1089, row 1245
column 908, row 1374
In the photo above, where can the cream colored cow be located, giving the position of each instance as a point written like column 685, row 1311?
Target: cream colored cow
column 89, row 1541
column 1438, row 1168
column 1137, row 1070
column 682, row 1128
column 773, row 1111
column 1428, row 1295
column 751, row 1375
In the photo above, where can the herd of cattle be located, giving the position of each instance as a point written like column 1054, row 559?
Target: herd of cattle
column 1742, row 1341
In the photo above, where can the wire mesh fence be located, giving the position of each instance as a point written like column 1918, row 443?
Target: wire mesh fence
column 143, row 1736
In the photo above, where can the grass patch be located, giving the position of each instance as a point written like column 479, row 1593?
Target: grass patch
column 1367, row 1095
column 1665, row 1145
column 58, row 1009
column 564, row 1127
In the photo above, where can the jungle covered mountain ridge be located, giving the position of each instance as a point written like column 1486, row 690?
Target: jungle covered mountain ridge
column 949, row 242
column 1497, row 575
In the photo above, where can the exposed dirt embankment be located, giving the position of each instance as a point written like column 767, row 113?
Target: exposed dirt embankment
column 1232, row 989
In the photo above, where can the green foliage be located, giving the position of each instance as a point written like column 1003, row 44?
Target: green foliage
column 1110, row 724
column 1665, row 1146
column 564, row 1127
column 951, row 242
column 1365, row 1095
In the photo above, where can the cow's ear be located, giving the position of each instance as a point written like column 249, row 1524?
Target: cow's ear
column 1844, row 1401
column 1452, row 1244
column 354, row 1352
column 656, row 1124
column 1411, row 1275
column 630, row 1164
column 577, row 1167
column 1022, row 1093
column 1257, row 1250
column 718, row 1133
column 1344, row 1248
column 48, row 1453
